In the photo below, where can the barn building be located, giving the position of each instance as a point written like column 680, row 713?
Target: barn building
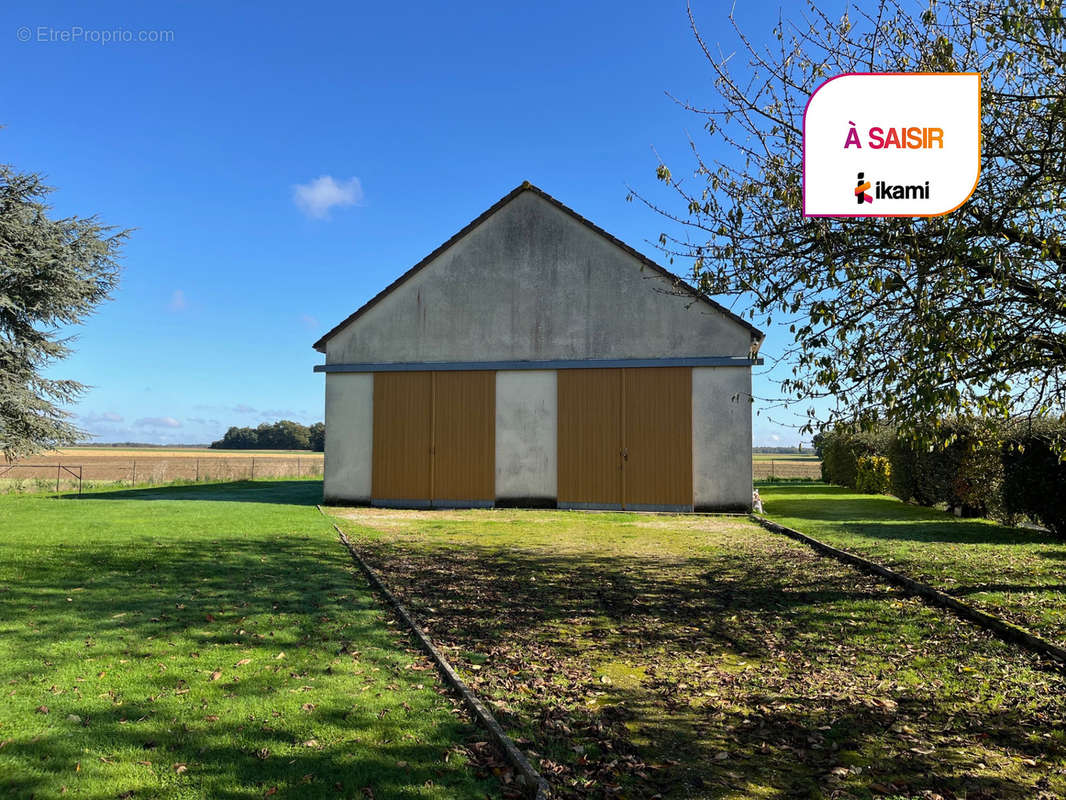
column 535, row 360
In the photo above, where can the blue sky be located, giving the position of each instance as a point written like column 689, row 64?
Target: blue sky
column 412, row 118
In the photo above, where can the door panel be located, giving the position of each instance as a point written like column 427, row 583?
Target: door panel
column 402, row 436
column 657, row 437
column 589, row 436
column 464, row 436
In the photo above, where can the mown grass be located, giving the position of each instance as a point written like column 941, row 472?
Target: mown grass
column 71, row 486
column 208, row 641
column 1015, row 573
column 701, row 657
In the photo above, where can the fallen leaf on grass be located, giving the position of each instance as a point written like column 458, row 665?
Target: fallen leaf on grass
column 42, row 709
column 242, row 662
column 216, row 674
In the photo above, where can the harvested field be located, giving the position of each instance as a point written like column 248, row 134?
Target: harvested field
column 152, row 465
column 785, row 465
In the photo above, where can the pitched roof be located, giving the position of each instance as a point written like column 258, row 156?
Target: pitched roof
column 526, row 186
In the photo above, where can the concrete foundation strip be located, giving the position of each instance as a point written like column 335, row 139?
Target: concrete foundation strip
column 536, row 786
column 1001, row 628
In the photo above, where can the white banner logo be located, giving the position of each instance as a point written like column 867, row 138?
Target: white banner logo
column 892, row 144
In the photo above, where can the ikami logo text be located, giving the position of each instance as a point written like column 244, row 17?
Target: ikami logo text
column 914, row 150
column 865, row 191
column 861, row 188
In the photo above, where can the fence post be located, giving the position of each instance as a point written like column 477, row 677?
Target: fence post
column 772, row 475
column 297, row 466
column 197, row 470
column 253, row 468
column 133, row 480
column 58, row 467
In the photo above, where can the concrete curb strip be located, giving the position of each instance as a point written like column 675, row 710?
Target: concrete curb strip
column 1001, row 628
column 536, row 786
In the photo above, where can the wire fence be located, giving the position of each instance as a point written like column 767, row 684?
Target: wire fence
column 786, row 468
column 131, row 472
column 58, row 476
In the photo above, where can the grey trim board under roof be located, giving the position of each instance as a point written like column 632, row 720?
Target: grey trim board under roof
column 585, row 363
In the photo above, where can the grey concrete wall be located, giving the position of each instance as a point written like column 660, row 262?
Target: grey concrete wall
column 349, row 437
column 721, row 438
column 526, row 429
column 526, row 425
column 532, row 283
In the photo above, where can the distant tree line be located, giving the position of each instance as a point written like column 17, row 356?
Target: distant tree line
column 158, row 445
column 281, row 435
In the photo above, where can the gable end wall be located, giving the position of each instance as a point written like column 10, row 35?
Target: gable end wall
column 532, row 283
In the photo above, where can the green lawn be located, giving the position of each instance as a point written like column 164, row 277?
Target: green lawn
column 1016, row 573
column 208, row 641
column 703, row 657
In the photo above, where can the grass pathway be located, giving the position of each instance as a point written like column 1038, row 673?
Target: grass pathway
column 208, row 641
column 695, row 657
column 1015, row 573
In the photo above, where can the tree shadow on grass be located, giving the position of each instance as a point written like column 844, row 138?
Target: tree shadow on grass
column 125, row 637
column 285, row 492
column 798, row 746
column 1009, row 588
column 737, row 675
column 877, row 517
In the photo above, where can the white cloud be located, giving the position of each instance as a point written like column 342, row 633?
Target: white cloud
column 775, row 437
column 242, row 408
column 107, row 416
column 177, row 301
column 157, row 422
column 271, row 414
column 311, row 323
column 324, row 193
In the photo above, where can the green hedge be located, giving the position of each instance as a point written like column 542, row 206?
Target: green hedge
column 841, row 451
column 1035, row 477
column 966, row 473
column 979, row 469
column 873, row 475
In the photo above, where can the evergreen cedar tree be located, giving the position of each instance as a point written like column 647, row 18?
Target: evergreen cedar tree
column 54, row 272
